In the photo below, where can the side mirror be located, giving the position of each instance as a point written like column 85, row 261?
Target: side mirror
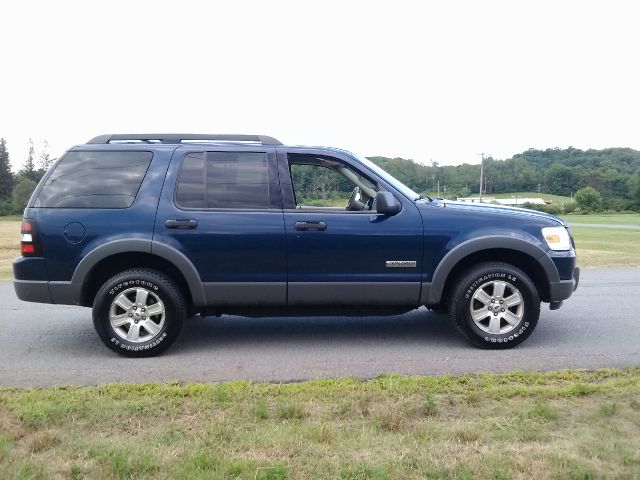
column 387, row 204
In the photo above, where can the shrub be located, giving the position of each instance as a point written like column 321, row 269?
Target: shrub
column 616, row 204
column 588, row 199
column 552, row 208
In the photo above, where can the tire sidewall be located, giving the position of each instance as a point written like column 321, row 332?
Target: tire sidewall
column 531, row 306
column 111, row 289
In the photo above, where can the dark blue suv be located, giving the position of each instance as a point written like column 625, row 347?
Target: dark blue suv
column 150, row 229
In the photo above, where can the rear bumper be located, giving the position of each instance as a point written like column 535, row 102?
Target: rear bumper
column 41, row 291
column 33, row 291
column 30, row 284
column 563, row 289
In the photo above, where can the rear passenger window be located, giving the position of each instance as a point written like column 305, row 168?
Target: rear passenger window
column 95, row 180
column 223, row 180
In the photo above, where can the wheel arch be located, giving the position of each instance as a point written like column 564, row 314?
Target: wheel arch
column 115, row 257
column 520, row 253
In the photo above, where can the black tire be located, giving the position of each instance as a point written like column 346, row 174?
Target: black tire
column 162, row 293
column 483, row 276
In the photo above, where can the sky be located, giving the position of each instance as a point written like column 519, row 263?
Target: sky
column 432, row 81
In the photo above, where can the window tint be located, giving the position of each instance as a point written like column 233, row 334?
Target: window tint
column 223, row 180
column 95, row 180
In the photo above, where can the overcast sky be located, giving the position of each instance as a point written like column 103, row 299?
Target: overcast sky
column 422, row 80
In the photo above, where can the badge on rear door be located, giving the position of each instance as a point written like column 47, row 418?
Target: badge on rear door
column 401, row 264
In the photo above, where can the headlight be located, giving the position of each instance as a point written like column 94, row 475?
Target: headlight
column 557, row 238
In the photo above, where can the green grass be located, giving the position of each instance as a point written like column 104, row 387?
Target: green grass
column 607, row 247
column 9, row 245
column 568, row 424
column 608, row 219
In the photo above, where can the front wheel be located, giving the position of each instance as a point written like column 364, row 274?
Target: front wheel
column 495, row 305
column 138, row 313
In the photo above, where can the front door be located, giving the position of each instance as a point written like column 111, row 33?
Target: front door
column 340, row 251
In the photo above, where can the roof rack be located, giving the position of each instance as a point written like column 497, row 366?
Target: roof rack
column 180, row 137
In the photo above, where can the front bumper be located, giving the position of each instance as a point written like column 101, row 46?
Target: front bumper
column 559, row 291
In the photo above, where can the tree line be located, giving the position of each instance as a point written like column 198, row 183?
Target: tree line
column 614, row 174
column 15, row 189
column 611, row 174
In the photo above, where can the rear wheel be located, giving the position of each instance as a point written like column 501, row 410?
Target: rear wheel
column 495, row 305
column 139, row 313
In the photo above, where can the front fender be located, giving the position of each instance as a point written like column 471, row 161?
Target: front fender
column 432, row 291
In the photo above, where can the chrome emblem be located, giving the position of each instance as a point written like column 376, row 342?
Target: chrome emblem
column 401, row 264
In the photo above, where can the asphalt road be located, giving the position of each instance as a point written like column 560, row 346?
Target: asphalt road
column 55, row 345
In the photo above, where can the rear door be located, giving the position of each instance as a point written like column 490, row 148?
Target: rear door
column 221, row 208
column 340, row 256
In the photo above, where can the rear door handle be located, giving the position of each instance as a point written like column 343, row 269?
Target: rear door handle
column 310, row 226
column 181, row 223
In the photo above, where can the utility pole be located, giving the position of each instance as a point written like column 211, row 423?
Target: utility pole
column 426, row 177
column 438, row 188
column 481, row 172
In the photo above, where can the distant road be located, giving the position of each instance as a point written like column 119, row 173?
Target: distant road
column 605, row 225
column 56, row 345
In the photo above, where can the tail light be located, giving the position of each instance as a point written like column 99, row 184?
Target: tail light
column 29, row 244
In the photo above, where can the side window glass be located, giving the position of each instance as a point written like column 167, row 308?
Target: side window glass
column 94, row 179
column 223, row 180
column 329, row 184
column 318, row 186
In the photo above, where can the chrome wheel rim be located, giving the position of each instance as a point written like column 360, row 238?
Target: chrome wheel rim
column 497, row 307
column 137, row 315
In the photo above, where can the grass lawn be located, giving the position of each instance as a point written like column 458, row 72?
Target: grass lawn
column 564, row 425
column 607, row 247
column 609, row 219
column 9, row 246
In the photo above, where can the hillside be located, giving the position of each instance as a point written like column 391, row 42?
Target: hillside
column 615, row 172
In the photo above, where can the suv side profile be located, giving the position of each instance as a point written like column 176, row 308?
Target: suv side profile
column 150, row 229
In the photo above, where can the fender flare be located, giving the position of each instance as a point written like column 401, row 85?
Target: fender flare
column 432, row 291
column 166, row 252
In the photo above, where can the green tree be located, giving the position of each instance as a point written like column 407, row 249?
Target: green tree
column 560, row 179
column 45, row 160
column 464, row 192
column 634, row 187
column 6, row 177
column 22, row 192
column 588, row 199
column 29, row 168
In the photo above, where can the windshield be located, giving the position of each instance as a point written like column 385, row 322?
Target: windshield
column 394, row 182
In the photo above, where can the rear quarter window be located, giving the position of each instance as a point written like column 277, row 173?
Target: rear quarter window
column 95, row 180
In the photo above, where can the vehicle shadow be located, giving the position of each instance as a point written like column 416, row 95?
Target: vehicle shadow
column 422, row 326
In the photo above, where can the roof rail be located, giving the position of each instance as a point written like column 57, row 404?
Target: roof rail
column 180, row 137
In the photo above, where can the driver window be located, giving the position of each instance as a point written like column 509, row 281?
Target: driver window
column 322, row 183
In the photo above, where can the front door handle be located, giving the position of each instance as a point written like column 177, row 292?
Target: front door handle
column 310, row 226
column 181, row 223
